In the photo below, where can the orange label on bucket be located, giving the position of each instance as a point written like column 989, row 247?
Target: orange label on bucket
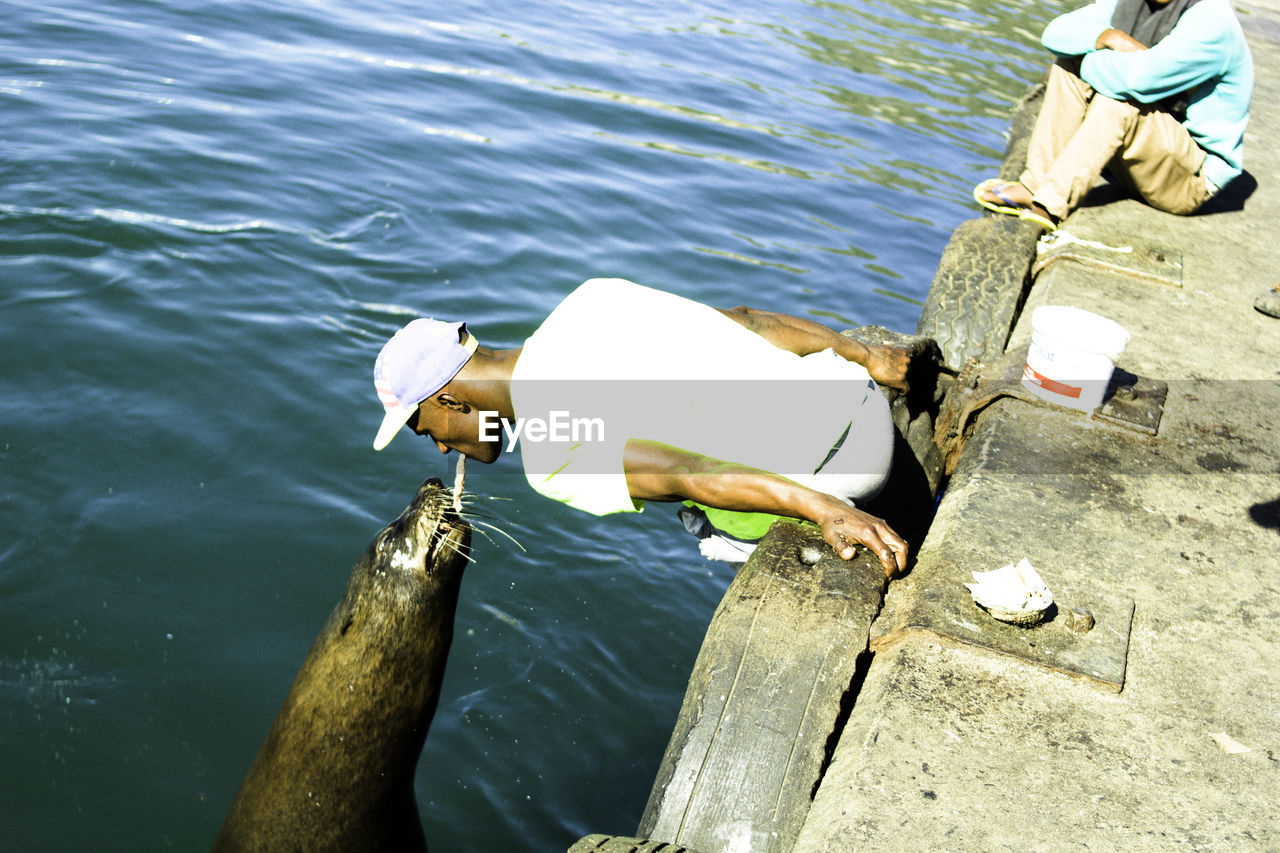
column 1072, row 391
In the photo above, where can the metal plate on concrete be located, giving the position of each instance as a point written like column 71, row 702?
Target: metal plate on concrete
column 1132, row 402
column 1159, row 265
column 1135, row 402
column 1064, row 642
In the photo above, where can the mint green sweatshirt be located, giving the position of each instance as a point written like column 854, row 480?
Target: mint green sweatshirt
column 1205, row 54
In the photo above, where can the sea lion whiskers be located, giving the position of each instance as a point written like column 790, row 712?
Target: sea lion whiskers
column 445, row 542
column 435, row 526
column 472, row 503
column 466, row 501
column 481, row 527
column 463, row 505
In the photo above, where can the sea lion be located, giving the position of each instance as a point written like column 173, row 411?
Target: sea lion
column 336, row 769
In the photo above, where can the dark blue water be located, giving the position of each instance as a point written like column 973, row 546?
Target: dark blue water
column 213, row 213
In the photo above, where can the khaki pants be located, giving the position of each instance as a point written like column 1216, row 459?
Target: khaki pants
column 1080, row 132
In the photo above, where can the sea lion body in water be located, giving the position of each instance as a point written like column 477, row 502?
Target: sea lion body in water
column 336, row 769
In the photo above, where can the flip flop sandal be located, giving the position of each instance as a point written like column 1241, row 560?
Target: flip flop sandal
column 1043, row 221
column 994, row 186
column 1269, row 302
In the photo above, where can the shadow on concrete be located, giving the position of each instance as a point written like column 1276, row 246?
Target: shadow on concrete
column 1230, row 198
column 1266, row 514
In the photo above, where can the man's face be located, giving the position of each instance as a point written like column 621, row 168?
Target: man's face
column 454, row 427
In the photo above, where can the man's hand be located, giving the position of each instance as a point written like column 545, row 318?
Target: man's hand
column 659, row 472
column 845, row 526
column 1118, row 40
column 888, row 366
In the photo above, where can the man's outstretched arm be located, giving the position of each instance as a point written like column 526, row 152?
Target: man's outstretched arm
column 887, row 365
column 659, row 472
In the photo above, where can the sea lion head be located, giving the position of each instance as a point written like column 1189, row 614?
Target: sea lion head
column 390, row 634
column 404, row 590
column 429, row 538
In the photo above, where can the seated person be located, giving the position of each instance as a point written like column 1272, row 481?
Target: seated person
column 1157, row 92
column 627, row 394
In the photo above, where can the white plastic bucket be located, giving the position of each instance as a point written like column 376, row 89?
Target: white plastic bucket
column 1072, row 356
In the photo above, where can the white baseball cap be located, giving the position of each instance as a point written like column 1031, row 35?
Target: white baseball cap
column 415, row 363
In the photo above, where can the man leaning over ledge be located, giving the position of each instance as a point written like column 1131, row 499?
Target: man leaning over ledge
column 744, row 415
